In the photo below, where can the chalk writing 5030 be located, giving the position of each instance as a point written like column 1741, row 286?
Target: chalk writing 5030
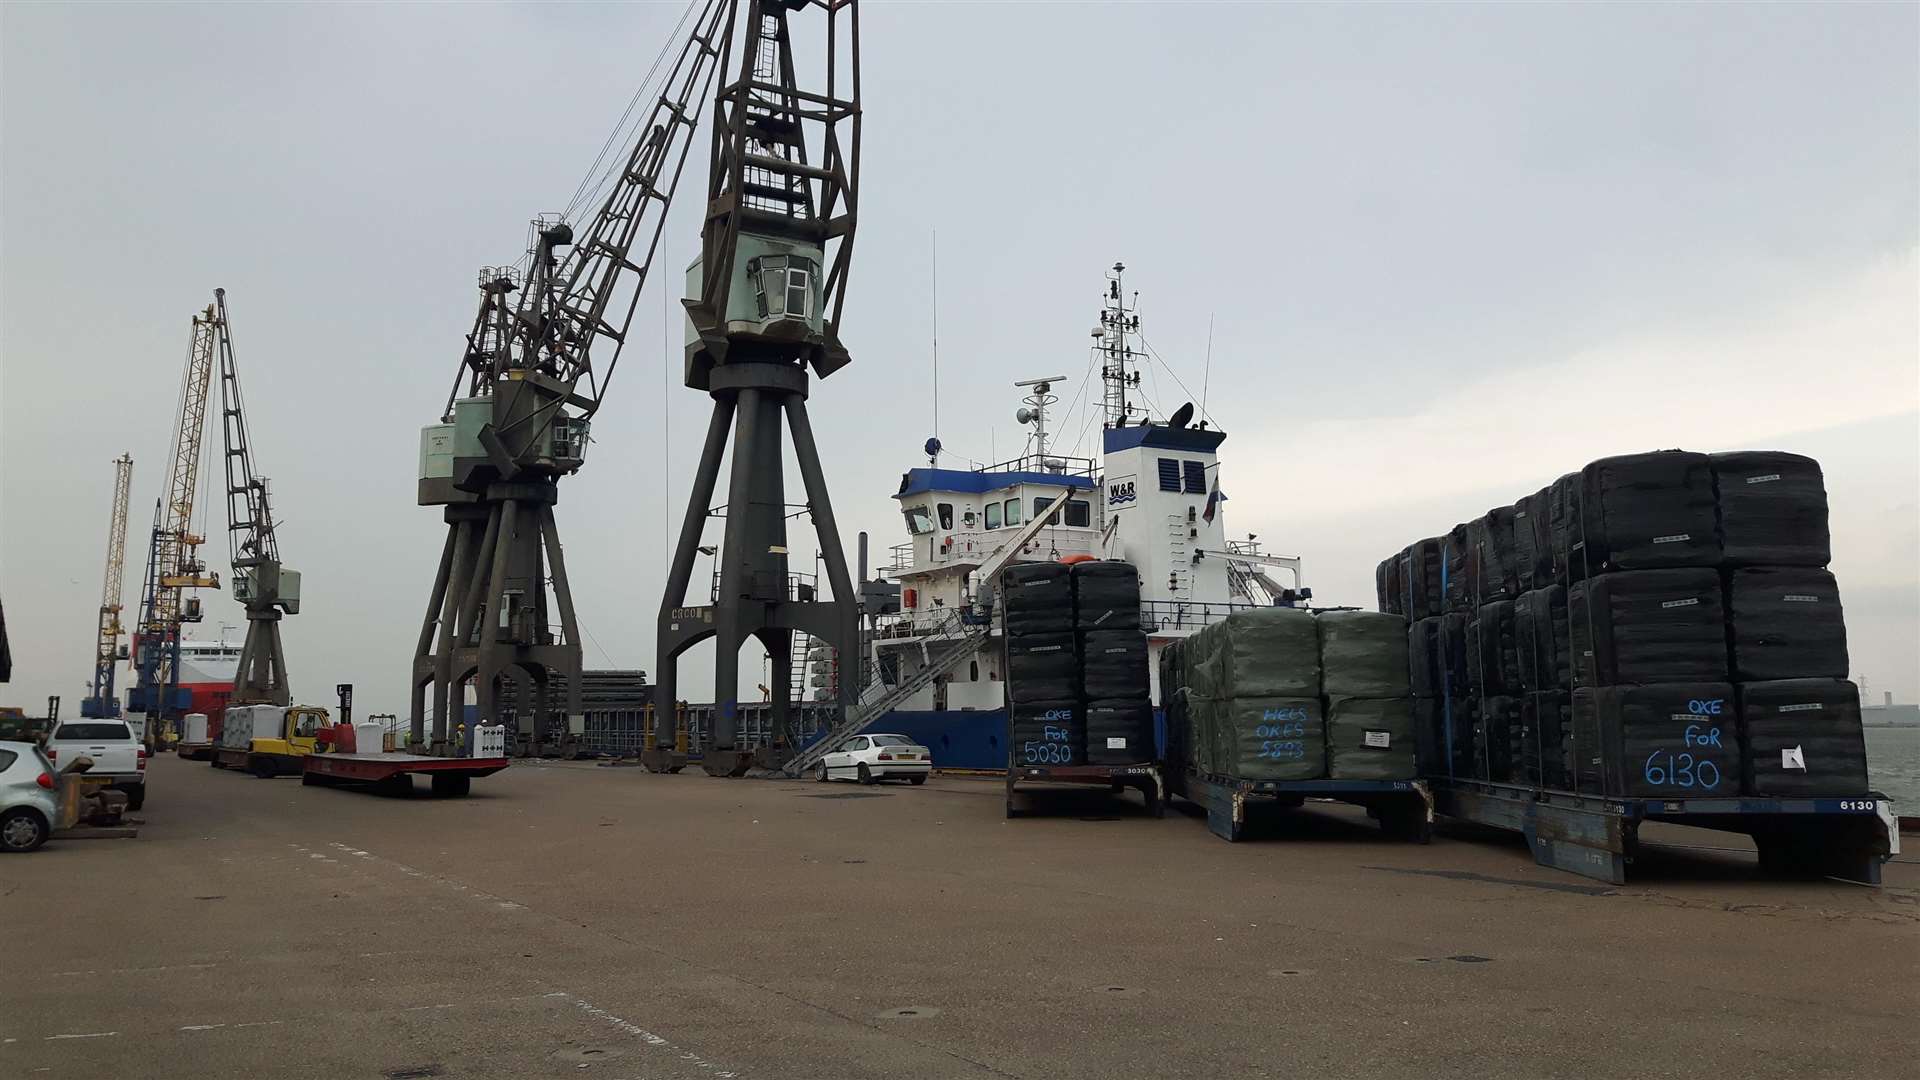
column 1047, row 753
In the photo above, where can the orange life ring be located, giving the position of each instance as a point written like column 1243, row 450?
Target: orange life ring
column 1069, row 560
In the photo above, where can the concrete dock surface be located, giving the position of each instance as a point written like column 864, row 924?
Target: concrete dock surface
column 572, row 920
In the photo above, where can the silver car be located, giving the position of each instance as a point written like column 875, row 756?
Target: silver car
column 27, row 806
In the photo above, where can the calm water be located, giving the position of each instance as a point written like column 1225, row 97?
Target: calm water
column 1893, row 765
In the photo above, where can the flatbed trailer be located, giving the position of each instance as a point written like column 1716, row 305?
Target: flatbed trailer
column 1145, row 776
column 195, row 751
column 1404, row 808
column 452, row 776
column 259, row 764
column 1599, row 836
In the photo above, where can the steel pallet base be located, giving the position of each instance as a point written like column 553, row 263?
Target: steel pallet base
column 1118, row 777
column 1599, row 837
column 1404, row 808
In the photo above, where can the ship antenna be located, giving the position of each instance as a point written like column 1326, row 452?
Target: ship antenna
column 1119, row 325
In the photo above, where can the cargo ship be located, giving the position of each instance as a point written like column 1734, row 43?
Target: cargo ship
column 207, row 673
column 1154, row 498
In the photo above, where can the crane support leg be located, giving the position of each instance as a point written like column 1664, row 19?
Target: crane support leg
column 757, row 598
column 681, row 626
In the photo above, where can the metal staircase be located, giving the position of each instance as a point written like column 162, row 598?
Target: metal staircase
column 950, row 641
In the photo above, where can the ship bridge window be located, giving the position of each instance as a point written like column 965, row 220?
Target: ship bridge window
column 1195, row 476
column 1040, row 505
column 1079, row 513
column 1169, row 474
column 993, row 515
column 946, row 517
column 1013, row 512
column 919, row 522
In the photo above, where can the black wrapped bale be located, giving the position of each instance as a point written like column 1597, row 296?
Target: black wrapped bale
column 1664, row 741
column 1533, row 542
column 1380, row 572
column 1494, row 731
column 1106, row 595
column 1773, row 509
column 1119, row 732
column 1438, row 658
column 1037, row 598
column 1363, row 654
column 1114, row 664
column 1274, row 738
column 1787, row 624
column 1803, row 738
column 1370, row 739
column 1563, row 523
column 1423, row 658
column 1540, row 636
column 1645, row 512
column 1456, row 584
column 1266, row 652
column 1048, row 733
column 1493, row 568
column 1424, row 571
column 1443, row 736
column 1043, row 667
column 1547, row 753
column 1494, row 646
column 1647, row 626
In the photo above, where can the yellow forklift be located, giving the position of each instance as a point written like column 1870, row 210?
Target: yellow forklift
column 269, row 740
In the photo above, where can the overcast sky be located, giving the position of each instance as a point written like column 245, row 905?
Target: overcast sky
column 1448, row 254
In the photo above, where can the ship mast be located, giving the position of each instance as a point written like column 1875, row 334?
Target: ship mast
column 1119, row 325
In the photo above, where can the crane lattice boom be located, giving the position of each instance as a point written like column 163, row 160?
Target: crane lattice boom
column 106, row 652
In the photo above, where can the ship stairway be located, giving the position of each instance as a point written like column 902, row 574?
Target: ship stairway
column 946, row 644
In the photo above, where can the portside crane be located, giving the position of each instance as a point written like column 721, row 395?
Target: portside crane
column 173, row 556
column 265, row 587
column 107, row 650
column 532, row 384
column 765, row 313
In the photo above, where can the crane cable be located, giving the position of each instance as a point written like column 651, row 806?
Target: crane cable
column 581, row 196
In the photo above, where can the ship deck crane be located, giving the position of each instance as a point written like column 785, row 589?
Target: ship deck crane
column 107, row 651
column 260, row 582
column 173, row 559
column 532, row 385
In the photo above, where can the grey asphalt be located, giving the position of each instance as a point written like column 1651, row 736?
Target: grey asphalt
column 581, row 921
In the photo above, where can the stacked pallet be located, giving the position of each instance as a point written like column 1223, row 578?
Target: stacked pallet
column 1077, row 687
column 1655, row 624
column 1281, row 694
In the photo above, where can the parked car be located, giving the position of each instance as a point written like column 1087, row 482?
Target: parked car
column 27, row 806
column 871, row 758
column 118, row 757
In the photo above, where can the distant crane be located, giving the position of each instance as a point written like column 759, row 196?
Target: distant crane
column 531, row 386
column 260, row 582
column 173, row 558
column 107, row 651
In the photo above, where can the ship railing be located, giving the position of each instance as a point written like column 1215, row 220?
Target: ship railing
column 1056, row 464
column 1156, row 615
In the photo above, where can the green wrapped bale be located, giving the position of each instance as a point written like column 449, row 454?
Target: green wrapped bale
column 1201, row 725
column 1266, row 653
column 1363, row 654
column 1370, row 739
column 1274, row 738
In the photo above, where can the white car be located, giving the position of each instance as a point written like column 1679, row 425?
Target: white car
column 870, row 758
column 27, row 807
column 118, row 757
